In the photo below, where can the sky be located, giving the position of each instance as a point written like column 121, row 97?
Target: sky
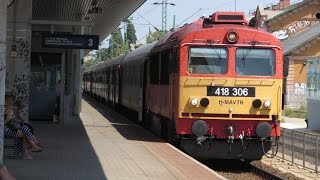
column 185, row 11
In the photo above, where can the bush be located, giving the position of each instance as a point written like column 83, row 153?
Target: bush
column 296, row 112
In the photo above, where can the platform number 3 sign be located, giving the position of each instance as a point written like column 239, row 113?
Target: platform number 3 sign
column 90, row 43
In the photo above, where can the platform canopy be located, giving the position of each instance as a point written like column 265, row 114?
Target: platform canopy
column 98, row 17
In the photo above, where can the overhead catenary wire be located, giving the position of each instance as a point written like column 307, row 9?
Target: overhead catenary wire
column 148, row 22
column 200, row 9
column 146, row 12
column 190, row 17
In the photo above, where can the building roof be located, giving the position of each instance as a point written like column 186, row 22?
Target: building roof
column 97, row 17
column 289, row 9
column 297, row 41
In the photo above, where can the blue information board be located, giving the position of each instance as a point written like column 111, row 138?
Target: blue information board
column 70, row 41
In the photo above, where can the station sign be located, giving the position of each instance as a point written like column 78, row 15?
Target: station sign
column 70, row 41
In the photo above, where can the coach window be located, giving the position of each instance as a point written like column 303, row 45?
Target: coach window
column 208, row 60
column 255, row 62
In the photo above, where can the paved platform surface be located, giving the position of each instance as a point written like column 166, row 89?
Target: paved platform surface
column 97, row 145
column 293, row 123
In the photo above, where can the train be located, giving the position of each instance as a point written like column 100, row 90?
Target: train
column 212, row 87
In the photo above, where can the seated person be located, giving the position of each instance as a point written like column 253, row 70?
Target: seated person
column 18, row 106
column 5, row 174
column 22, row 134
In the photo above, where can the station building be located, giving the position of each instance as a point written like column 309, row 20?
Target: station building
column 42, row 46
column 298, row 27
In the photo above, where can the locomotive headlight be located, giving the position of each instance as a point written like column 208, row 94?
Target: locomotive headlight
column 267, row 103
column 232, row 36
column 204, row 102
column 194, row 101
column 256, row 103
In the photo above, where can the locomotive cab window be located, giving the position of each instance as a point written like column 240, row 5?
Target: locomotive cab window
column 255, row 62
column 208, row 60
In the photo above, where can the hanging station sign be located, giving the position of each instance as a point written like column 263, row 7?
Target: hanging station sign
column 70, row 41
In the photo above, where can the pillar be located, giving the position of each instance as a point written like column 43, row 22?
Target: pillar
column 3, row 46
column 19, row 39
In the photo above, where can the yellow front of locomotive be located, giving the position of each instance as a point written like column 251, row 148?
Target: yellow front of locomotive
column 230, row 89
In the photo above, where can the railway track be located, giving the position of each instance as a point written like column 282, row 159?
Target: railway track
column 263, row 173
column 238, row 170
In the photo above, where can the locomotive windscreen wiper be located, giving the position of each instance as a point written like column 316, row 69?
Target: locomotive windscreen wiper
column 244, row 56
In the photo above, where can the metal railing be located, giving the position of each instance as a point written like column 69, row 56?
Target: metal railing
column 299, row 148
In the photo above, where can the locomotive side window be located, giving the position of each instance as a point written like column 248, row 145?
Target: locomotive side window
column 208, row 60
column 154, row 69
column 255, row 62
column 164, row 77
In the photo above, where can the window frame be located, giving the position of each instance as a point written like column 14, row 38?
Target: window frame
column 227, row 50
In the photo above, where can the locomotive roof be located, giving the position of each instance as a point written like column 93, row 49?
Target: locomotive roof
column 179, row 34
column 140, row 52
column 113, row 61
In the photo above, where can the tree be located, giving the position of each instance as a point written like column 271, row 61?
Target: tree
column 115, row 43
column 90, row 63
column 155, row 36
column 116, row 37
column 102, row 54
column 131, row 32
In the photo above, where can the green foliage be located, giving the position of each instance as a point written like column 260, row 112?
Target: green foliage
column 90, row 63
column 102, row 54
column 155, row 36
column 131, row 33
column 116, row 46
column 116, row 38
column 296, row 112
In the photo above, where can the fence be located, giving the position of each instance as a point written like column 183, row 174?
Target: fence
column 300, row 148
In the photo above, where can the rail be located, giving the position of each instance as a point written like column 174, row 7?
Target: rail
column 299, row 148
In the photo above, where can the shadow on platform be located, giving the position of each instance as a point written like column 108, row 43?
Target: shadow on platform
column 128, row 129
column 68, row 154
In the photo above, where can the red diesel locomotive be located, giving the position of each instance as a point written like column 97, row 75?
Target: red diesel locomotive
column 214, row 87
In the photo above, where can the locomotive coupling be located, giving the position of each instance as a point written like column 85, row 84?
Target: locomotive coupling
column 230, row 132
column 275, row 119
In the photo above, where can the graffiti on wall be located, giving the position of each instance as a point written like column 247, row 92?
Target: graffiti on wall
column 2, row 108
column 2, row 74
column 292, row 29
column 300, row 88
column 21, row 78
column 2, row 67
column 20, row 86
column 23, row 49
column 21, row 89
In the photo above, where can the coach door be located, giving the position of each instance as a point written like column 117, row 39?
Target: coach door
column 173, row 69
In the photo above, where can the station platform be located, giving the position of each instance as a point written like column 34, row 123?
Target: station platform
column 293, row 123
column 97, row 145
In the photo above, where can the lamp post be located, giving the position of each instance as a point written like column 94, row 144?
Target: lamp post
column 164, row 4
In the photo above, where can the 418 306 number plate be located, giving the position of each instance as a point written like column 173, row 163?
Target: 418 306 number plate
column 231, row 91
